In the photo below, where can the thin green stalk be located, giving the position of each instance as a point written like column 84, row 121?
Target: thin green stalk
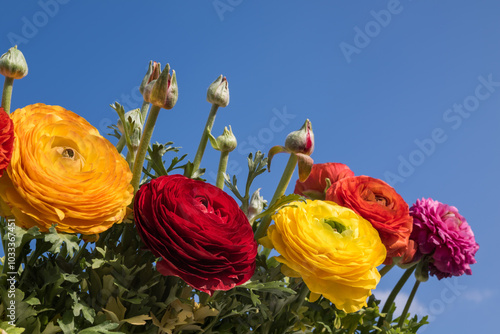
column 399, row 285
column 7, row 94
column 80, row 253
column 219, row 183
column 143, row 147
column 408, row 304
column 204, row 137
column 303, row 291
column 280, row 191
column 131, row 154
column 385, row 269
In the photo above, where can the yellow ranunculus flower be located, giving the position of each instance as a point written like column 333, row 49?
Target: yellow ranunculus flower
column 334, row 250
column 63, row 172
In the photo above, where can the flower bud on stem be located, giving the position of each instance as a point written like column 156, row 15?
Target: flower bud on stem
column 13, row 66
column 225, row 143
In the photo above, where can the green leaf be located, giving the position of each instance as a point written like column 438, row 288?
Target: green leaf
column 155, row 156
column 9, row 329
column 274, row 287
column 70, row 241
column 51, row 329
column 67, row 323
column 104, row 328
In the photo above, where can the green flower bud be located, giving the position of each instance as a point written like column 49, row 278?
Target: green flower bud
column 422, row 270
column 153, row 73
column 164, row 91
column 302, row 140
column 133, row 118
column 256, row 206
column 13, row 64
column 218, row 92
column 226, row 142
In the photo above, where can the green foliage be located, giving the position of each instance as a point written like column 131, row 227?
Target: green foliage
column 256, row 166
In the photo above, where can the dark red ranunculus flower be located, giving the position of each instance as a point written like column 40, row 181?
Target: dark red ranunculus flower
column 6, row 140
column 314, row 186
column 381, row 205
column 198, row 230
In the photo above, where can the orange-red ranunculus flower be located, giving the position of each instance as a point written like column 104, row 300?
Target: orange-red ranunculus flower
column 63, row 172
column 381, row 205
column 6, row 140
column 314, row 186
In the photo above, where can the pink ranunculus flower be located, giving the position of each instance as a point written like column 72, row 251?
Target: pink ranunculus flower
column 442, row 234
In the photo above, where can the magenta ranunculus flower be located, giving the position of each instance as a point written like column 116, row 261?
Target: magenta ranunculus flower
column 442, row 234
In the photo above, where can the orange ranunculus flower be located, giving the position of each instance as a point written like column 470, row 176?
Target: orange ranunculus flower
column 381, row 205
column 315, row 185
column 63, row 172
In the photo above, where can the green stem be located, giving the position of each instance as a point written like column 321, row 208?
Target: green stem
column 80, row 253
column 280, row 191
column 204, row 138
column 219, row 183
column 303, row 291
column 7, row 94
column 121, row 144
column 131, row 154
column 385, row 269
column 399, row 285
column 143, row 147
column 408, row 304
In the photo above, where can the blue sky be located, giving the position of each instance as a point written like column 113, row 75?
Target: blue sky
column 406, row 91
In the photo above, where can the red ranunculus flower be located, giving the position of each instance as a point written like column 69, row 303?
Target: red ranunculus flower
column 198, row 230
column 6, row 140
column 314, row 186
column 381, row 205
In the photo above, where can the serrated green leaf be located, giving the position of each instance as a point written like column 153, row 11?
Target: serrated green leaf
column 104, row 328
column 70, row 241
column 67, row 323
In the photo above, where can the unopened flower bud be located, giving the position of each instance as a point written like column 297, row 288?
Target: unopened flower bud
column 257, row 204
column 218, row 92
column 153, row 73
column 133, row 117
column 302, row 140
column 226, row 142
column 164, row 91
column 13, row 64
column 422, row 270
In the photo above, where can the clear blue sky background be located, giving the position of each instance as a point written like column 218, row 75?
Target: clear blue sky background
column 375, row 91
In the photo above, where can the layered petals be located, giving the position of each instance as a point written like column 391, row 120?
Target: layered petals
column 198, row 230
column 63, row 172
column 334, row 250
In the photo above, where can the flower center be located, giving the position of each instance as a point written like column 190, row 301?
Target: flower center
column 337, row 226
column 381, row 200
column 68, row 153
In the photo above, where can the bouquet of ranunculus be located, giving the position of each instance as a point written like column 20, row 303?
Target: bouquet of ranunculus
column 102, row 238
